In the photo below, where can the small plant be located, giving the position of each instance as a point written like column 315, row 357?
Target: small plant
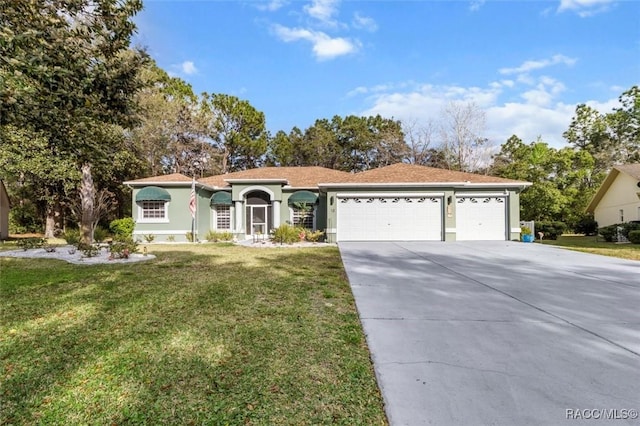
column 31, row 243
column 72, row 236
column 525, row 230
column 89, row 250
column 287, row 234
column 189, row 236
column 314, row 236
column 72, row 250
column 149, row 238
column 215, row 236
column 171, row 238
column 122, row 247
column 100, row 234
column 123, row 227
column 634, row 236
column 49, row 248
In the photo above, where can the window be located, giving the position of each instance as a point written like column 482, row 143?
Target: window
column 621, row 215
column 153, row 210
column 303, row 216
column 223, row 217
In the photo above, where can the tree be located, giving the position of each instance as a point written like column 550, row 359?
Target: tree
column 421, row 147
column 67, row 76
column 461, row 130
column 237, row 131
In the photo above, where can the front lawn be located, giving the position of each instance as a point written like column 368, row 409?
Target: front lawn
column 204, row 334
column 596, row 245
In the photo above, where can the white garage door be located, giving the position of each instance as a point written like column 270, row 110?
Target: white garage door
column 481, row 218
column 388, row 218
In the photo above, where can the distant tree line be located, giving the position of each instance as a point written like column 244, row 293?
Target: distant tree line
column 81, row 111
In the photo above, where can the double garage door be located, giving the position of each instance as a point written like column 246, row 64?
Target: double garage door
column 418, row 218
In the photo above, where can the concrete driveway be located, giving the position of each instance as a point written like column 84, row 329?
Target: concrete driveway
column 499, row 333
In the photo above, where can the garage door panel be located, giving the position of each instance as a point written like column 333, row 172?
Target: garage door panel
column 481, row 218
column 390, row 218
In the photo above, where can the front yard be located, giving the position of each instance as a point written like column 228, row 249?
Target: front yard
column 206, row 334
column 596, row 245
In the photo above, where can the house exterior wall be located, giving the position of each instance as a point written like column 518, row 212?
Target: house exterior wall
column 621, row 195
column 178, row 222
column 4, row 213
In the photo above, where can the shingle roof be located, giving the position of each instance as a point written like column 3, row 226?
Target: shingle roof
column 411, row 173
column 172, row 178
column 297, row 177
column 632, row 170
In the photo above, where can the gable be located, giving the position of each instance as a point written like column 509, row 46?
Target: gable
column 619, row 187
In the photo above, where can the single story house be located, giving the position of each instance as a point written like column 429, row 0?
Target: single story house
column 618, row 198
column 5, row 206
column 397, row 202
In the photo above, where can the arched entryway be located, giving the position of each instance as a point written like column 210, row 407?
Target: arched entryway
column 258, row 212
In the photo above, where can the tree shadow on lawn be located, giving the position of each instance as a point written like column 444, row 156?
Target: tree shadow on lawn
column 184, row 338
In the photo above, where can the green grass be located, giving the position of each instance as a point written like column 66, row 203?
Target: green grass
column 207, row 334
column 596, row 245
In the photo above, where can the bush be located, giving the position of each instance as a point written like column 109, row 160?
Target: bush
column 313, row 236
column 551, row 230
column 628, row 227
column 216, row 236
column 122, row 227
column 587, row 226
column 89, row 250
column 100, row 234
column 72, row 236
column 288, row 234
column 122, row 247
column 634, row 236
column 609, row 233
column 31, row 243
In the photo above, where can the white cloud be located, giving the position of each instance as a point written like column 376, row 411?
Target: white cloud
column 322, row 10
column 476, row 5
column 324, row 46
column 271, row 5
column 539, row 64
column 188, row 68
column 364, row 22
column 585, row 8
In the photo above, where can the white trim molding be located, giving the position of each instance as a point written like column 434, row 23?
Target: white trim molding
column 388, row 194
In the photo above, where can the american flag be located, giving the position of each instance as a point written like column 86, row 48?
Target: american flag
column 192, row 199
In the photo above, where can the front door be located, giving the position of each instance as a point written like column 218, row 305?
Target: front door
column 257, row 220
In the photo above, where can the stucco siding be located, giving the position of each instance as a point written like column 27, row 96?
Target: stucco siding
column 621, row 195
column 177, row 222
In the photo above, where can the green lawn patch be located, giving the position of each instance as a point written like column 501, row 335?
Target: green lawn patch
column 204, row 334
column 596, row 245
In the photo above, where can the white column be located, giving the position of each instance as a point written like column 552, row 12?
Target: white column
column 276, row 213
column 239, row 210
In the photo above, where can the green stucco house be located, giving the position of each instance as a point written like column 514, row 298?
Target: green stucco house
column 399, row 202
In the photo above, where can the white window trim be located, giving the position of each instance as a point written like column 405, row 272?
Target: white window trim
column 214, row 219
column 146, row 220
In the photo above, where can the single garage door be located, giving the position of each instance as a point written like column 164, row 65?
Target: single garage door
column 481, row 218
column 389, row 218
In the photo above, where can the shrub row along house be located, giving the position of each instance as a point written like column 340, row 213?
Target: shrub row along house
column 398, row 202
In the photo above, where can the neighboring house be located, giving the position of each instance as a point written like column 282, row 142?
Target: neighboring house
column 398, row 202
column 618, row 199
column 4, row 212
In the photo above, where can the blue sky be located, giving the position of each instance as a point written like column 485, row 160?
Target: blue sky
column 526, row 64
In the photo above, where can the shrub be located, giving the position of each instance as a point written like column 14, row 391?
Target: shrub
column 31, row 243
column 609, row 233
column 122, row 226
column 288, row 234
column 313, row 236
column 189, row 236
column 122, row 247
column 634, row 236
column 216, row 236
column 587, row 226
column 628, row 227
column 89, row 250
column 100, row 234
column 551, row 230
column 72, row 236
